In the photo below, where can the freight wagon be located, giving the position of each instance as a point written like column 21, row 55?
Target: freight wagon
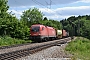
column 40, row 32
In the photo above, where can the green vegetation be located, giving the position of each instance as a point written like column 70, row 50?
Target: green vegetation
column 10, row 25
column 16, row 28
column 7, row 41
column 78, row 26
column 79, row 48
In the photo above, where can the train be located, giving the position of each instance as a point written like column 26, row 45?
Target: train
column 39, row 32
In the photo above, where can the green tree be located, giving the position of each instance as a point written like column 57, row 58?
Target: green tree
column 45, row 18
column 3, row 8
column 10, row 25
column 85, row 30
column 78, row 26
column 31, row 16
column 3, row 16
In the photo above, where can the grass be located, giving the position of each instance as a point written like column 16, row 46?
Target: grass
column 7, row 41
column 79, row 48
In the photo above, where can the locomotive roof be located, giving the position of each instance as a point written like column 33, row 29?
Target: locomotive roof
column 37, row 25
column 42, row 25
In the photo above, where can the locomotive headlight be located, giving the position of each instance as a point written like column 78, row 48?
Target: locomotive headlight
column 39, row 34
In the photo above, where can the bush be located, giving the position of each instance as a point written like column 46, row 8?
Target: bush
column 6, row 41
column 80, row 48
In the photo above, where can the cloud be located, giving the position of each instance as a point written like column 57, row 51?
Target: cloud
column 15, row 3
column 85, row 1
column 80, row 10
column 67, row 11
column 59, row 13
column 48, row 11
column 21, row 7
column 60, row 8
column 57, row 17
column 17, row 13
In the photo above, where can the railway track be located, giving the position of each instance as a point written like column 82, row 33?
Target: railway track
column 7, row 47
column 13, row 55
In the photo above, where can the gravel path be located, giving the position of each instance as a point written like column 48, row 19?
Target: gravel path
column 52, row 53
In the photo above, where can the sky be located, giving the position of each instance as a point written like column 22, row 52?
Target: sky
column 52, row 9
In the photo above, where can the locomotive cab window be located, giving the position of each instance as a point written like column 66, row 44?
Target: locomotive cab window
column 43, row 28
column 35, row 29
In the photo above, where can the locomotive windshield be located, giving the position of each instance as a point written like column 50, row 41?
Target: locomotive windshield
column 35, row 28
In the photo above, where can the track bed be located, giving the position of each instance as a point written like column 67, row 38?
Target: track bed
column 21, row 51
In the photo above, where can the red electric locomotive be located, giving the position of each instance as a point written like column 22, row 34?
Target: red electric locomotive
column 41, row 32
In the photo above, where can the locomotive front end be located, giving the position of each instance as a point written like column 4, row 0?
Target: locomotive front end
column 35, row 32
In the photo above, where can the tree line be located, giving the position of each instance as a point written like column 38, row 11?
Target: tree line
column 77, row 26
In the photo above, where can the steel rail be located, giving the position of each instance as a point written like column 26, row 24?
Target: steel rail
column 25, row 52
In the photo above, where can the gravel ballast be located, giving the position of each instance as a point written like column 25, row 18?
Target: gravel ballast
column 52, row 53
column 2, row 51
